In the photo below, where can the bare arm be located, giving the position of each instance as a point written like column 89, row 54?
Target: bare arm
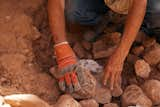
column 57, row 20
column 115, row 64
column 132, row 26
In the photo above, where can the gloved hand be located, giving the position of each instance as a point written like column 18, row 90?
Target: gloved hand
column 67, row 61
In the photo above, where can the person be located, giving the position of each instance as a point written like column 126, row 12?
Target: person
column 89, row 12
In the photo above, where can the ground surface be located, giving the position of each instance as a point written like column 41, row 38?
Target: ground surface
column 26, row 51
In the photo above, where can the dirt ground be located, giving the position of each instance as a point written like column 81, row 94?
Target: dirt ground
column 26, row 51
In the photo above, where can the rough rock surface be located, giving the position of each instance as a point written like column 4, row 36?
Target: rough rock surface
column 133, row 95
column 91, row 65
column 103, row 95
column 142, row 68
column 111, row 105
column 88, row 86
column 89, row 103
column 151, row 88
column 67, row 101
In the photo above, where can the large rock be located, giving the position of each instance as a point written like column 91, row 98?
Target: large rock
column 133, row 95
column 88, row 86
column 152, row 90
column 89, row 103
column 25, row 100
column 142, row 69
column 101, row 50
column 67, row 101
column 91, row 65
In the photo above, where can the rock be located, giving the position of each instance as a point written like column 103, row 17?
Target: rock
column 153, row 56
column 88, row 86
column 80, row 52
column 112, row 38
column 138, row 50
column 158, row 66
column 111, row 105
column 103, row 95
column 91, row 65
column 117, row 91
column 86, row 45
column 1, row 101
column 149, row 42
column 67, row 101
column 151, row 88
column 89, row 103
column 131, row 58
column 140, row 37
column 100, row 50
column 133, row 95
column 142, row 68
column 25, row 100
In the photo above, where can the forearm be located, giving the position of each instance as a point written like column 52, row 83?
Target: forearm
column 132, row 26
column 57, row 20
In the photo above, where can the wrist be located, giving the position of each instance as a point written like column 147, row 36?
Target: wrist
column 64, row 54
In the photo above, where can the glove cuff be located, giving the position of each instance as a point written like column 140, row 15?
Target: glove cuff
column 65, row 55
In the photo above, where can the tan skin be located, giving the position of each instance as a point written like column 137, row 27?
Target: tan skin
column 114, row 66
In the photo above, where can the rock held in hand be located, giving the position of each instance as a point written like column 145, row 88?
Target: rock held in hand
column 152, row 90
column 142, row 68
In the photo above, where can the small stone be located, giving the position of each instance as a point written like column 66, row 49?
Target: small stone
column 67, row 101
column 131, row 58
column 111, row 105
column 80, row 52
column 152, row 56
column 86, row 45
column 152, row 90
column 149, row 42
column 158, row 66
column 103, row 95
column 138, row 50
column 115, row 37
column 89, row 103
column 142, row 68
column 133, row 95
column 140, row 37
column 117, row 91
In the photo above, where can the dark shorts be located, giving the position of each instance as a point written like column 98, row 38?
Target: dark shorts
column 89, row 12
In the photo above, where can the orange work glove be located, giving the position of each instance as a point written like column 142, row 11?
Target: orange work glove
column 66, row 60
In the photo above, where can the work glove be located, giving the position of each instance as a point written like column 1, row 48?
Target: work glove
column 67, row 68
